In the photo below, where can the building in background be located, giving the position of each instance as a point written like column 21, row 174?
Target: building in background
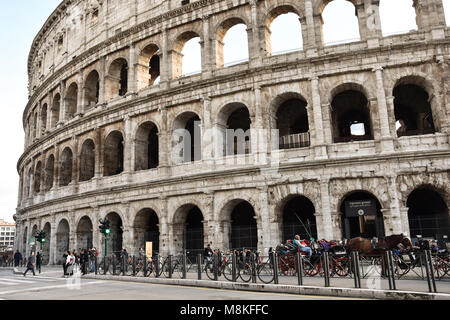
column 7, row 234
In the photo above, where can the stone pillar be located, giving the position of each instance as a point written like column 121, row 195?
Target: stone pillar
column 62, row 104
column 98, row 153
column 207, row 134
column 164, row 230
column 38, row 121
column 260, row 138
column 405, row 222
column 164, row 144
column 265, row 237
column 132, row 70
column 387, row 144
column 207, row 56
column 255, row 52
column 80, row 95
column 431, row 17
column 102, row 91
column 372, row 23
column 128, row 144
column 338, row 228
column 53, row 228
column 310, row 45
column 328, row 228
column 28, row 248
column 209, row 224
column 165, row 65
column 49, row 111
column 319, row 143
column 75, row 161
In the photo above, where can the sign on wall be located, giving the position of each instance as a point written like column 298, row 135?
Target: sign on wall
column 360, row 208
column 149, row 249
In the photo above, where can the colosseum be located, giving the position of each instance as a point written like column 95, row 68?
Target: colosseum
column 329, row 141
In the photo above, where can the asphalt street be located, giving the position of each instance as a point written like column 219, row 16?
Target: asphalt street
column 52, row 286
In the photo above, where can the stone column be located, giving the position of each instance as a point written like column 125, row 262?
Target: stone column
column 80, row 95
column 164, row 144
column 75, row 161
column 128, row 139
column 132, row 70
column 164, row 230
column 372, row 23
column 207, row 57
column 255, row 52
column 328, row 225
column 405, row 222
column 431, row 17
column 166, row 63
column 260, row 138
column 265, row 237
column 103, row 75
column 207, row 134
column 53, row 228
column 319, row 143
column 38, row 121
column 310, row 45
column 387, row 144
column 49, row 111
column 62, row 104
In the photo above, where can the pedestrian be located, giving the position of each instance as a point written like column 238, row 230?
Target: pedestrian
column 208, row 253
column 69, row 264
column 84, row 259
column 76, row 263
column 30, row 265
column 17, row 258
column 39, row 262
column 65, row 255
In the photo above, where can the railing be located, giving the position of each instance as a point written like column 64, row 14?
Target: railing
column 299, row 140
column 385, row 271
column 352, row 138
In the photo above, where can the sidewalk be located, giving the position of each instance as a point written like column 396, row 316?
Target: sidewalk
column 283, row 288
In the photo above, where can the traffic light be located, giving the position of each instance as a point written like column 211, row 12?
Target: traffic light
column 105, row 227
column 40, row 236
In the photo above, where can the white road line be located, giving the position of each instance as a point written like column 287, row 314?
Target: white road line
column 8, row 283
column 50, row 279
column 19, row 281
column 47, row 288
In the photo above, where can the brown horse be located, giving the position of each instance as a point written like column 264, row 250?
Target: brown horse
column 365, row 246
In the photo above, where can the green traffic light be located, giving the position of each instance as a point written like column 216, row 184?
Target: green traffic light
column 43, row 240
column 107, row 231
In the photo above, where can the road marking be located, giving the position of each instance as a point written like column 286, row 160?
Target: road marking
column 46, row 288
column 18, row 281
column 244, row 291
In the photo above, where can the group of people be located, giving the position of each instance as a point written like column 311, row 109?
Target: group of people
column 73, row 261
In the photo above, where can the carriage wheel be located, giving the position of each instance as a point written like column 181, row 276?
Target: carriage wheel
column 309, row 268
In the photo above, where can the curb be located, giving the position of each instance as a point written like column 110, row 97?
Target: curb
column 290, row 289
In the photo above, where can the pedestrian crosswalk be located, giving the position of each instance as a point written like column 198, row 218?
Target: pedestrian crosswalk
column 20, row 280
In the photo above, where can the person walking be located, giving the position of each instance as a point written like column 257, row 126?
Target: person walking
column 76, row 261
column 65, row 255
column 70, row 260
column 17, row 258
column 39, row 262
column 84, row 257
column 30, row 265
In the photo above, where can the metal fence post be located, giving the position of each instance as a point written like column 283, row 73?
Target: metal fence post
column 326, row 269
column 145, row 265
column 275, row 267
column 199, row 266
column 114, row 264
column 95, row 265
column 391, row 270
column 233, row 267
column 299, row 268
column 430, row 272
column 169, row 258
column 134, row 266
column 123, row 265
column 184, row 265
column 215, row 266
column 253, row 260
column 387, row 268
column 355, row 264
column 104, row 265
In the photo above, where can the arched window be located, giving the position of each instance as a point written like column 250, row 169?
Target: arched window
column 71, row 101
column 37, row 178
column 66, row 167
column 55, row 110
column 44, row 118
column 279, row 41
column 49, row 172
column 412, row 111
column 340, row 23
column 394, row 23
column 92, row 89
column 187, row 142
column 232, row 43
column 351, row 117
column 87, row 160
column 186, row 55
column 117, row 79
column 147, row 147
column 149, row 68
column 235, row 119
column 113, row 154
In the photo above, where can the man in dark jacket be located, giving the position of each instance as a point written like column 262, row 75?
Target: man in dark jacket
column 30, row 265
column 17, row 258
column 38, row 262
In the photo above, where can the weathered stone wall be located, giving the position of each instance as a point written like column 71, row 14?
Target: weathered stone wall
column 387, row 166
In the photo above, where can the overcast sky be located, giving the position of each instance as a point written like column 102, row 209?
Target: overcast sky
column 20, row 20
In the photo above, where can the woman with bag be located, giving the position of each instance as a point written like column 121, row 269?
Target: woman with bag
column 69, row 264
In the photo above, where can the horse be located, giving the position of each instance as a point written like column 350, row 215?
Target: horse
column 365, row 246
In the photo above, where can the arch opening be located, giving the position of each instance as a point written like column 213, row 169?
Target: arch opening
column 87, row 161
column 232, row 43
column 92, row 90
column 186, row 139
column 62, row 240
column 235, row 123
column 428, row 214
column 340, row 23
column 390, row 22
column 46, row 244
column 147, row 147
column 55, row 111
column 361, row 216
column 187, row 55
column 49, row 172
column 71, row 101
column 278, row 41
column 293, row 125
column 37, row 178
column 115, row 242
column 146, row 229
column 298, row 218
column 117, row 79
column 113, row 154
column 351, row 117
column 149, row 67
column 44, row 119
column 66, row 167
column 85, row 233
column 412, row 109
column 244, row 229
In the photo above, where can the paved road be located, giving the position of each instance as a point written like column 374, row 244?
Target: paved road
column 51, row 286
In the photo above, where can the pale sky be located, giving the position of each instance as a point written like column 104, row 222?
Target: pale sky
column 20, row 20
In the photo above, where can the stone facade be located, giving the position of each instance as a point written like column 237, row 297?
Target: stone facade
column 78, row 116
